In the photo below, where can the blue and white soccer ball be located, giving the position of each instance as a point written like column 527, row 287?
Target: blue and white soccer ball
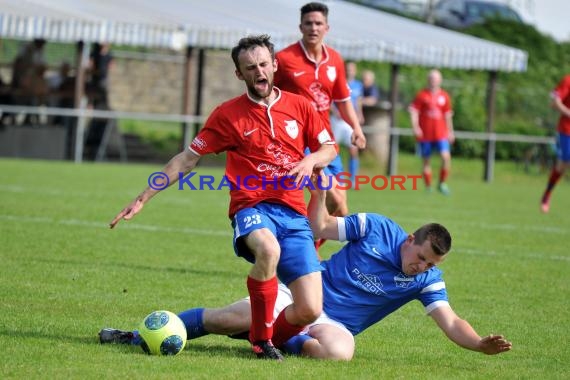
column 163, row 333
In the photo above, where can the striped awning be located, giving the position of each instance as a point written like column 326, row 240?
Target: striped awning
column 356, row 31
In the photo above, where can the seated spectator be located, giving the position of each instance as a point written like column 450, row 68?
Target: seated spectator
column 371, row 94
column 5, row 98
column 100, row 64
column 62, row 87
column 28, row 83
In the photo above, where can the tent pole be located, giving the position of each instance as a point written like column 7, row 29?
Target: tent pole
column 199, row 87
column 394, row 138
column 186, row 96
column 79, row 104
column 491, row 142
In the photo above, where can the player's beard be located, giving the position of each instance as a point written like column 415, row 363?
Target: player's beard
column 260, row 94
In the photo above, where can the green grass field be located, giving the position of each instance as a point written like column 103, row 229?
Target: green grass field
column 65, row 275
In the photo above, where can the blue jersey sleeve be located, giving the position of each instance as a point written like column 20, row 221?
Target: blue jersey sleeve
column 434, row 293
column 352, row 227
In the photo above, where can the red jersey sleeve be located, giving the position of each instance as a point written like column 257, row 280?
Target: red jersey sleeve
column 416, row 105
column 341, row 89
column 216, row 136
column 447, row 108
column 562, row 91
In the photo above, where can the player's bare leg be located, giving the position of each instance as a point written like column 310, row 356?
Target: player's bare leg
column 307, row 295
column 426, row 173
column 262, row 285
column 444, row 173
column 557, row 173
column 230, row 320
column 329, row 342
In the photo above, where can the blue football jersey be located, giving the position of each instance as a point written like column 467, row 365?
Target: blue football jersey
column 364, row 282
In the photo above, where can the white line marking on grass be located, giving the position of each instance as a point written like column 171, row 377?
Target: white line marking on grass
column 211, row 232
column 86, row 223
column 538, row 256
column 107, row 194
column 502, row 226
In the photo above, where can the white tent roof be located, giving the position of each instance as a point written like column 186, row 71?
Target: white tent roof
column 356, row 31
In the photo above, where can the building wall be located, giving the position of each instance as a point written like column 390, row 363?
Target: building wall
column 156, row 85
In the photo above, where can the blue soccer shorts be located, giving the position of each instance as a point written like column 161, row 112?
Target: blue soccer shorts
column 335, row 167
column 293, row 232
column 425, row 147
column 563, row 147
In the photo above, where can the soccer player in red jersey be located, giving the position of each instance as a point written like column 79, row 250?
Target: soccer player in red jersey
column 432, row 121
column 264, row 133
column 560, row 102
column 311, row 68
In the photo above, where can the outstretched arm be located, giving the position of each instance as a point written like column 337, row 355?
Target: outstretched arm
column 463, row 334
column 322, row 223
column 183, row 162
column 312, row 162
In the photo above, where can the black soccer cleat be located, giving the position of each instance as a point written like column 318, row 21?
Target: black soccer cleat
column 264, row 349
column 114, row 336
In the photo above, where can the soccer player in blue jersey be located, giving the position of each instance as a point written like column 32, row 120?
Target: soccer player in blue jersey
column 380, row 269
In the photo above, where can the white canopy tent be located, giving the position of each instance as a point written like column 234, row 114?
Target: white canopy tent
column 356, row 31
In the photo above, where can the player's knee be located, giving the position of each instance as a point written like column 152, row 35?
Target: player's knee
column 307, row 314
column 267, row 251
column 340, row 353
column 340, row 349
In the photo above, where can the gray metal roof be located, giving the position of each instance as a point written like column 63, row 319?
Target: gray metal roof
column 356, row 31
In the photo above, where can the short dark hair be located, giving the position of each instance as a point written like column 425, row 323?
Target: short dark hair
column 314, row 7
column 251, row 42
column 438, row 236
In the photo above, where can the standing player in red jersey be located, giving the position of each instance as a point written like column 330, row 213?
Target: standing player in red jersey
column 264, row 133
column 432, row 121
column 312, row 69
column 560, row 102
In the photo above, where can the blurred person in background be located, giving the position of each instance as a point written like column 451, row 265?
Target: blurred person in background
column 370, row 91
column 561, row 103
column 341, row 129
column 432, row 121
column 316, row 71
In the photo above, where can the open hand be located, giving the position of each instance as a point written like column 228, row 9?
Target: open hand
column 494, row 344
column 128, row 212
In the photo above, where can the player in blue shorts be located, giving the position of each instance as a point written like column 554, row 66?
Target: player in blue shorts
column 432, row 121
column 380, row 269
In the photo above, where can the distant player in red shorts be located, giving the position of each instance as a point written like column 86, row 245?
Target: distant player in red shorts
column 560, row 102
column 432, row 121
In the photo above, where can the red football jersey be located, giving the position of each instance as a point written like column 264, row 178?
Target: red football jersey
column 262, row 143
column 321, row 83
column 432, row 108
column 562, row 91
